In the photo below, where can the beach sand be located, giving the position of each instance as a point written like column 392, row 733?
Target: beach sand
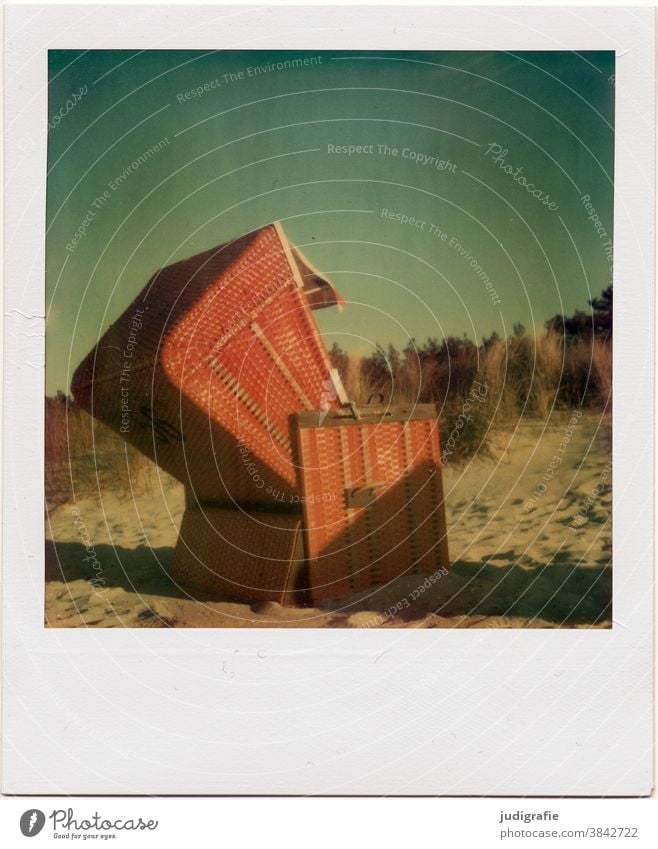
column 529, row 530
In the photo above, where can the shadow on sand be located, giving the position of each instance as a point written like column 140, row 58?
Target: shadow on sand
column 557, row 592
column 142, row 569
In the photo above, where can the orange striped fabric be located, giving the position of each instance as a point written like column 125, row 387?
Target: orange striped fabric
column 372, row 496
column 204, row 369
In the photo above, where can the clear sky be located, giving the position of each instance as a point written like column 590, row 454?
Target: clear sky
column 504, row 161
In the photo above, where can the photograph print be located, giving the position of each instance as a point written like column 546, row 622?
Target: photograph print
column 329, row 339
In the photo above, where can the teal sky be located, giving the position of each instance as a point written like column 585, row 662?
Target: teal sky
column 254, row 147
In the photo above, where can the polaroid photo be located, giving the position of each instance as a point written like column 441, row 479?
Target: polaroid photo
column 328, row 419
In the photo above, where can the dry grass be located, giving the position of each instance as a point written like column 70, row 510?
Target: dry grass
column 84, row 456
column 355, row 382
column 519, row 376
column 602, row 371
column 523, row 375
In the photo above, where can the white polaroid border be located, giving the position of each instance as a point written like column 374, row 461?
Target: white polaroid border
column 452, row 712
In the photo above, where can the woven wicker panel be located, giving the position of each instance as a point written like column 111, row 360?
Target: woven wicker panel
column 225, row 552
column 203, row 371
column 395, row 466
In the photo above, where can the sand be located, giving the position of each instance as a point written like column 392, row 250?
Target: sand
column 529, row 529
